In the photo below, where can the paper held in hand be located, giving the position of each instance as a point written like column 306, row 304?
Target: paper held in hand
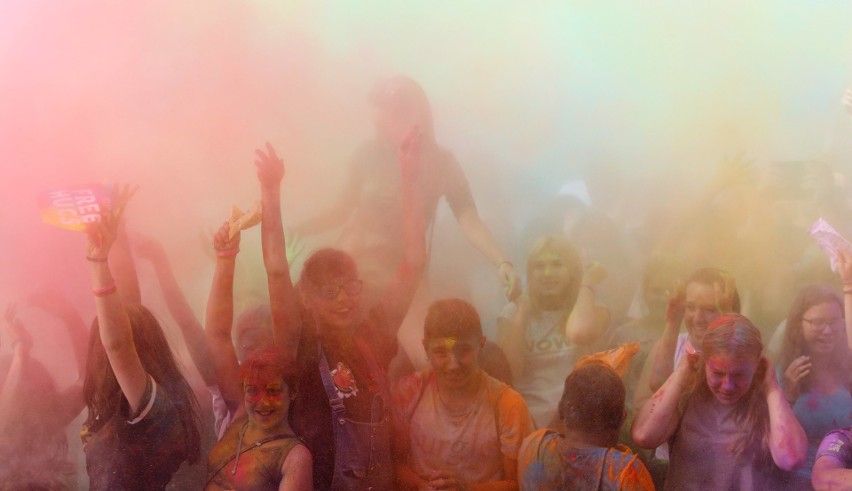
column 73, row 207
column 830, row 241
column 241, row 220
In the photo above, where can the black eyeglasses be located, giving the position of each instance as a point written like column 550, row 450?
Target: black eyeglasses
column 330, row 291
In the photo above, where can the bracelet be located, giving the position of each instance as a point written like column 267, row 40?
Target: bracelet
column 228, row 252
column 501, row 263
column 104, row 291
column 96, row 259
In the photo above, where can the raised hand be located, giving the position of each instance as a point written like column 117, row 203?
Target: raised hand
column 270, row 167
column 595, row 274
column 795, row 374
column 103, row 234
column 675, row 304
column 725, row 293
column 16, row 330
column 222, row 244
column 844, row 268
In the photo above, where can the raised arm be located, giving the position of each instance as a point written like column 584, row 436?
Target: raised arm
column 21, row 343
column 844, row 268
column 587, row 321
column 220, row 317
column 400, row 291
column 478, row 234
column 788, row 443
column 115, row 331
column 511, row 335
column 190, row 327
column 661, row 360
column 126, row 279
column 656, row 420
column 71, row 399
column 286, row 325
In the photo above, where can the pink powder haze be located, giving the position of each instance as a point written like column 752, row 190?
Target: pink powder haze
column 175, row 96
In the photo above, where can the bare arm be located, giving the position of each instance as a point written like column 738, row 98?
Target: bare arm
column 286, row 325
column 830, row 474
column 478, row 234
column 511, row 336
column 585, row 323
column 71, row 399
column 844, row 268
column 220, row 317
column 14, row 383
column 788, row 443
column 126, row 278
column 190, row 327
column 115, row 330
column 657, row 420
column 298, row 470
column 662, row 356
column 404, row 284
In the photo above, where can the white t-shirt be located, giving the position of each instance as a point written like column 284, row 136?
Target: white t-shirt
column 549, row 358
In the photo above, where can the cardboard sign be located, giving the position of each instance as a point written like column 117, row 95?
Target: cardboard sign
column 74, row 207
column 241, row 220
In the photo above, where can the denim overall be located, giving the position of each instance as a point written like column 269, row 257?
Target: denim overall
column 362, row 450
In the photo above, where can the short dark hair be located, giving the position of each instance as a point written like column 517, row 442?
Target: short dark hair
column 593, row 399
column 325, row 264
column 275, row 358
column 452, row 318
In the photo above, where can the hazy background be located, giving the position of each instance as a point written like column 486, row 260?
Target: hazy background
column 175, row 95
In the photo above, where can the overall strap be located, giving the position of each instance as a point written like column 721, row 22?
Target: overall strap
column 338, row 409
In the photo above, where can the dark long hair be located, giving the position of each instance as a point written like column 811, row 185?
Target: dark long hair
column 794, row 344
column 103, row 394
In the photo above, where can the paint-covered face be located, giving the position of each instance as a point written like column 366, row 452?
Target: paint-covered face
column 729, row 377
column 454, row 361
column 550, row 275
column 700, row 309
column 336, row 303
column 823, row 328
column 267, row 399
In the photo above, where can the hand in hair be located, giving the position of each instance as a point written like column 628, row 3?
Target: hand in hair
column 270, row 167
column 675, row 304
column 795, row 374
column 725, row 293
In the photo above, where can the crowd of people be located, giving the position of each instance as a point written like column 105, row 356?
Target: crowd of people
column 711, row 387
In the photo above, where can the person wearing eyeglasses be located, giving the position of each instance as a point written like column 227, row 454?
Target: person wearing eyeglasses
column 342, row 351
column 815, row 359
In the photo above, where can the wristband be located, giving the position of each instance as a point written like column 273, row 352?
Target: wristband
column 96, row 259
column 103, row 292
column 228, row 252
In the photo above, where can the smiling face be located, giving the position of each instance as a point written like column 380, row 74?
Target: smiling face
column 700, row 310
column 729, row 377
column 455, row 361
column 550, row 275
column 823, row 328
column 336, row 303
column 267, row 399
